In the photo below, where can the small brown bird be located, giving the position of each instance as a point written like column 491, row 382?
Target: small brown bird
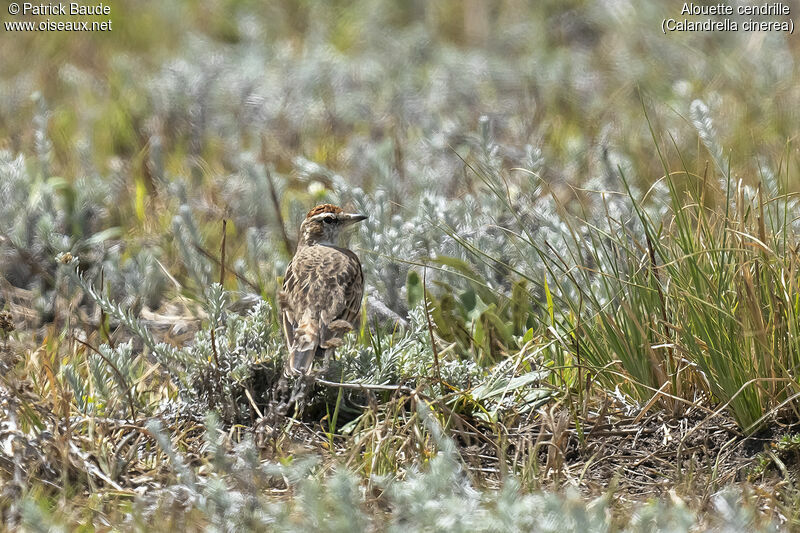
column 322, row 289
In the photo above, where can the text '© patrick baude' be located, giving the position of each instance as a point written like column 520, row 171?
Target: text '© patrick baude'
column 58, row 8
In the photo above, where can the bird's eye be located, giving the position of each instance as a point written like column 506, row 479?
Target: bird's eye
column 327, row 220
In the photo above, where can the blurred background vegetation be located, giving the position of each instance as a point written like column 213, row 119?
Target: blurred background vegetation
column 186, row 106
column 567, row 208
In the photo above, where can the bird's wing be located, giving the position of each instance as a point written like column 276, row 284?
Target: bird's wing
column 321, row 299
column 351, row 278
column 288, row 320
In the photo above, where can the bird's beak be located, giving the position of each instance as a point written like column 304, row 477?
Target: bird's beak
column 352, row 218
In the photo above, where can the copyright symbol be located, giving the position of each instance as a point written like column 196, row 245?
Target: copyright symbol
column 13, row 8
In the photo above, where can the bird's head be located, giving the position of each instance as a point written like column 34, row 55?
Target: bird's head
column 324, row 224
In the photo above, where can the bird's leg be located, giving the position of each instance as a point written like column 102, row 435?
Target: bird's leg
column 302, row 387
column 326, row 362
column 269, row 426
column 283, row 386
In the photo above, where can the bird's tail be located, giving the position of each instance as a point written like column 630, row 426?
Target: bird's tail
column 304, row 348
column 314, row 339
column 300, row 361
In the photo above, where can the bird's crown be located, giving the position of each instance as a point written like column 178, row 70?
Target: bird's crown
column 324, row 208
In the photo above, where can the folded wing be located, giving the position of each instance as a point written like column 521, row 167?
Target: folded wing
column 320, row 302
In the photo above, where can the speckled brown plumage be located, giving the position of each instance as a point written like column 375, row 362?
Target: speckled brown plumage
column 324, row 208
column 322, row 289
